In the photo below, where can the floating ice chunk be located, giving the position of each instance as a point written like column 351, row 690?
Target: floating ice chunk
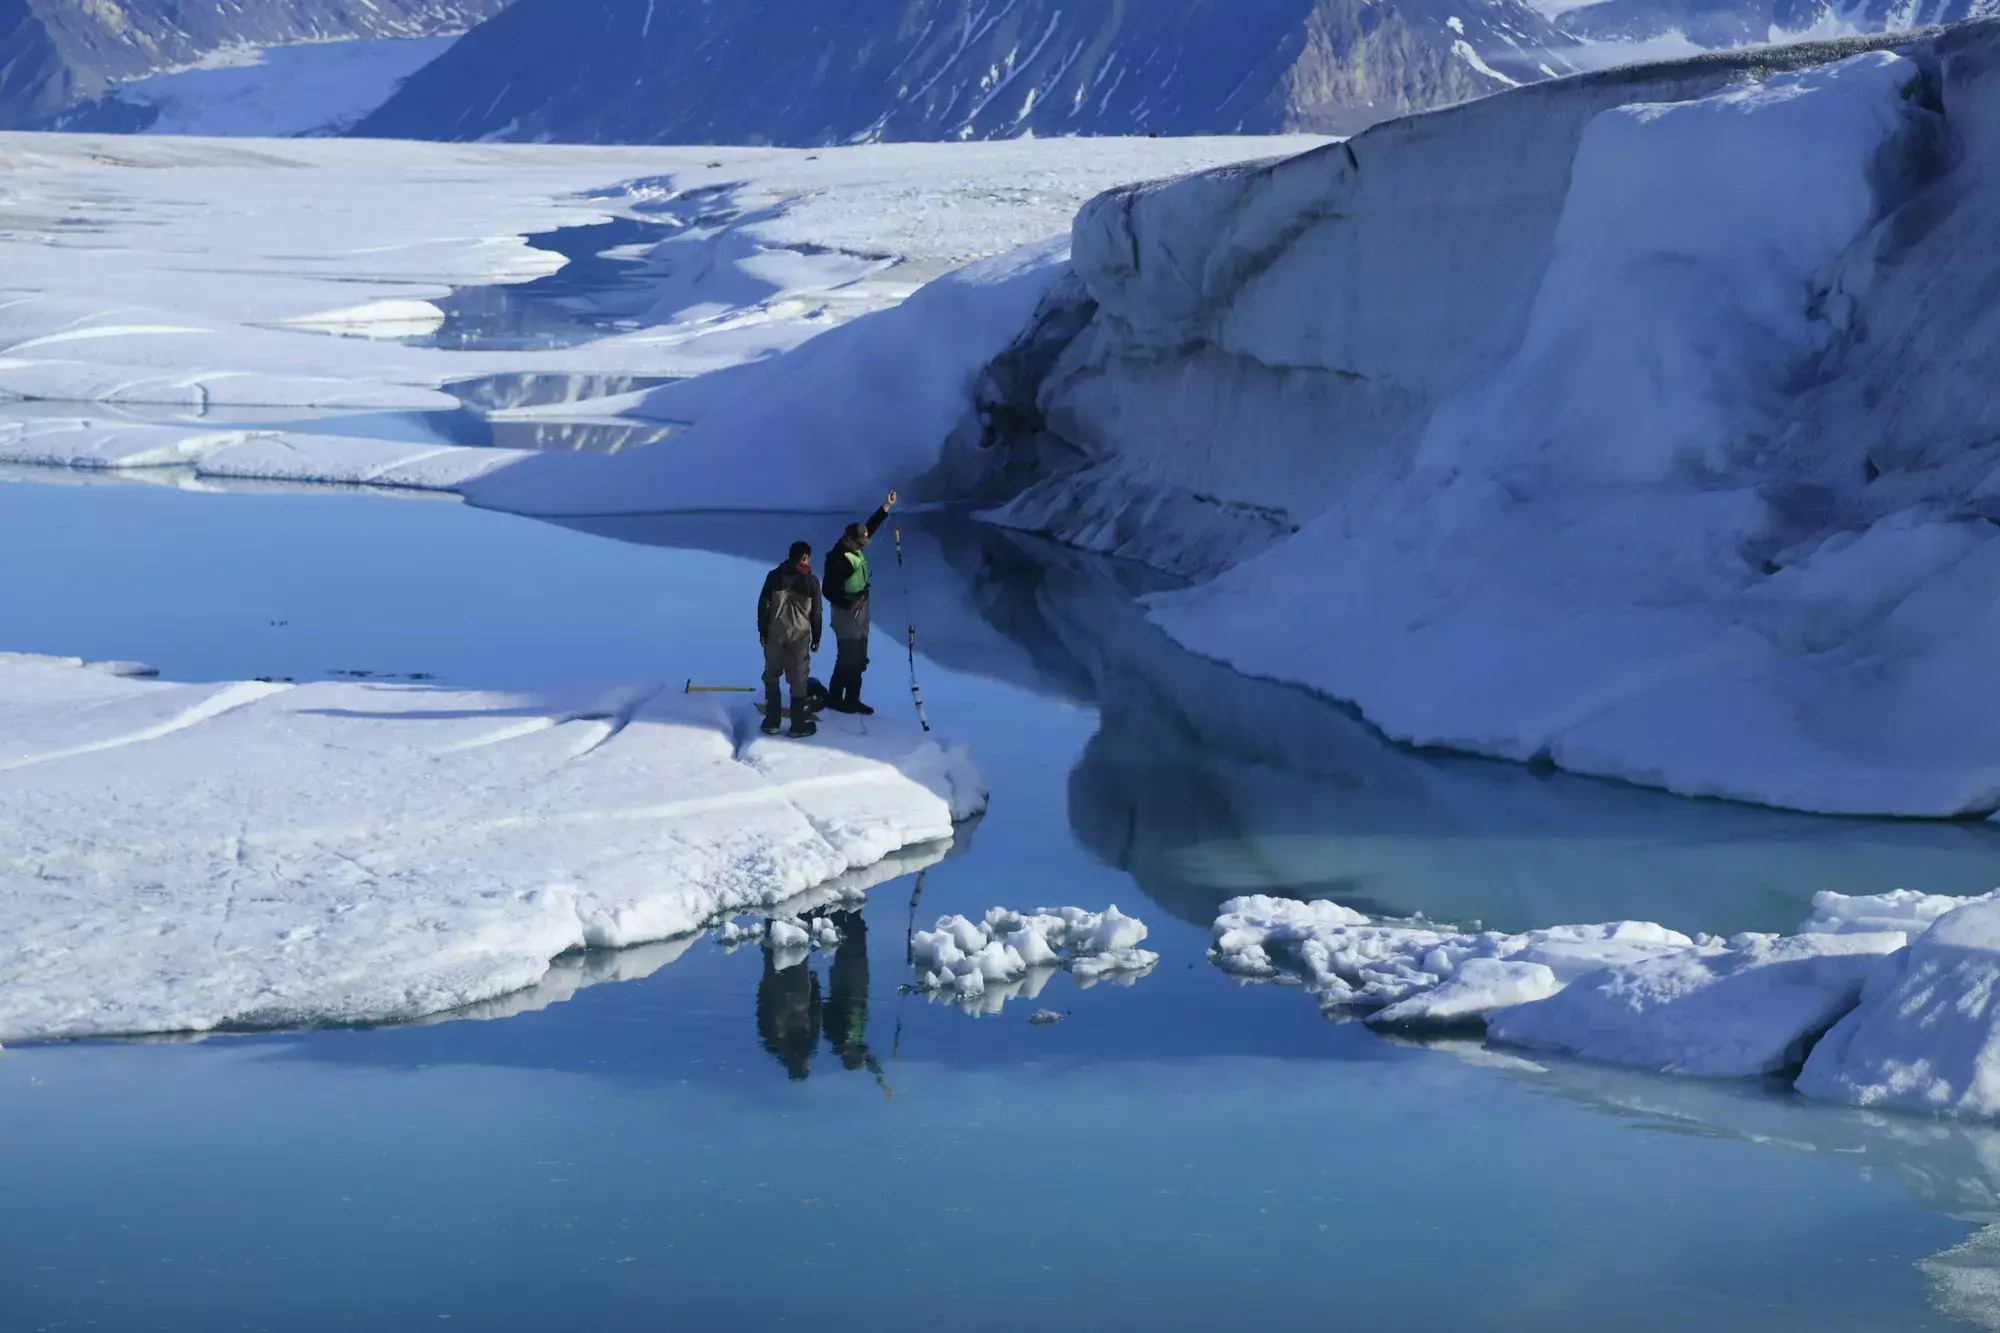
column 780, row 933
column 735, row 934
column 1904, row 909
column 1926, row 1034
column 1750, row 1007
column 965, row 959
column 1346, row 960
column 1479, row 987
column 1639, row 994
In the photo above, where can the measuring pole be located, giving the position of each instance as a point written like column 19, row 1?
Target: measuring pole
column 916, row 690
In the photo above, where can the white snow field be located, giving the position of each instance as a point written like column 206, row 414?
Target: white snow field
column 198, row 275
column 1895, row 989
column 181, row 858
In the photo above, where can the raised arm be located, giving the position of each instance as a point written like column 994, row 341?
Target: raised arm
column 881, row 516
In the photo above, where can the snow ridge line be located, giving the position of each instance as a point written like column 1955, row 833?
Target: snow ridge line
column 226, row 700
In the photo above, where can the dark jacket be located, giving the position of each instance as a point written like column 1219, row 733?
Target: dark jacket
column 840, row 563
column 788, row 1014
column 789, row 604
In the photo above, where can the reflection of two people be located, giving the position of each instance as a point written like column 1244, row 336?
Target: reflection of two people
column 791, row 1014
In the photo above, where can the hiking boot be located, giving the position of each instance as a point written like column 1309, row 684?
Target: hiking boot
column 854, row 705
column 774, row 714
column 803, row 727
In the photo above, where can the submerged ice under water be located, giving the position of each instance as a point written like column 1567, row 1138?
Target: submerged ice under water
column 687, row 1135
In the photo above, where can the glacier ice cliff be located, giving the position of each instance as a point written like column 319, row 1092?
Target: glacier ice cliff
column 1635, row 423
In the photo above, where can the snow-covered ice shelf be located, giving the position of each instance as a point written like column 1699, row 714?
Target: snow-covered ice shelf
column 185, row 857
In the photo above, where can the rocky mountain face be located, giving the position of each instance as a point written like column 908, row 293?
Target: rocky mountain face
column 56, row 54
column 802, row 72
column 1724, row 23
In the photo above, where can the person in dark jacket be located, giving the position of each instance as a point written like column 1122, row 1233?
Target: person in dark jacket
column 788, row 1013
column 788, row 625
column 847, row 587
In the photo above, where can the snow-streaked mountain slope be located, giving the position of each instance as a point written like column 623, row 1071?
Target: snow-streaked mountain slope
column 802, row 72
column 59, row 54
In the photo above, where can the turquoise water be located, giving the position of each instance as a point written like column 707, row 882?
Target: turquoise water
column 631, row 1146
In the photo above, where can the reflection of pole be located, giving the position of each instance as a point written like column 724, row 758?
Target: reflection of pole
column 909, row 960
column 909, row 616
column 910, row 930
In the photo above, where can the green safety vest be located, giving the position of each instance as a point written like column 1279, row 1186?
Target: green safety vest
column 857, row 574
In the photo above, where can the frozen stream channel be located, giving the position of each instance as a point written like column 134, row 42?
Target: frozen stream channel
column 631, row 1146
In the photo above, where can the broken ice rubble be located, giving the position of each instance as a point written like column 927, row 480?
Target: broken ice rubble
column 1896, row 989
column 983, row 964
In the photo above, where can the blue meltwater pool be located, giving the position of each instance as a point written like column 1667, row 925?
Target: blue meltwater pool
column 688, row 1136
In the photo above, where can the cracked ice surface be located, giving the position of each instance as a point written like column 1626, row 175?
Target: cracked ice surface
column 188, row 857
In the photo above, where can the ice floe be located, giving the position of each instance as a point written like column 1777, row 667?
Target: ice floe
column 1749, row 1007
column 1886, row 1000
column 1926, row 1034
column 1347, row 960
column 981, row 965
column 186, row 857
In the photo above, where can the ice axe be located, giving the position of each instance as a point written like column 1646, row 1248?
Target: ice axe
column 815, row 691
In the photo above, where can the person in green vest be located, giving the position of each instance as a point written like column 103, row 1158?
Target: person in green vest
column 846, row 587
column 846, row 1010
